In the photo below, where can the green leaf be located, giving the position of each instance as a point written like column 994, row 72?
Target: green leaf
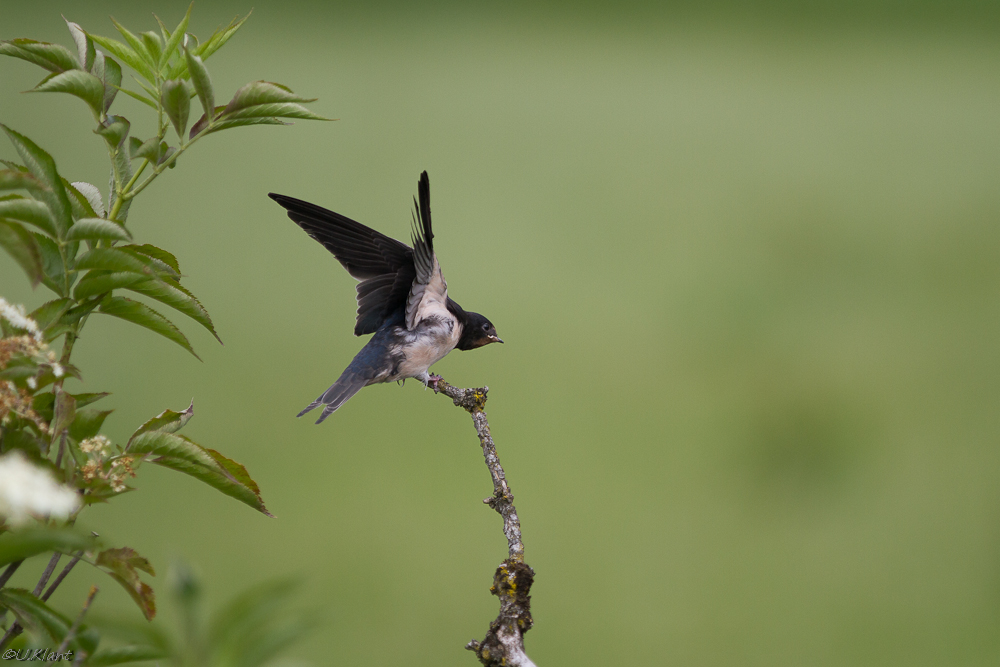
column 153, row 150
column 209, row 466
column 22, row 246
column 122, row 564
column 158, row 254
column 28, row 211
column 20, row 544
column 11, row 179
column 122, row 170
column 138, row 96
column 97, row 229
column 76, row 82
column 87, row 423
column 255, row 625
column 138, row 46
column 53, row 276
column 134, row 634
column 263, row 92
column 88, row 398
column 65, row 412
column 217, row 480
column 162, row 443
column 115, row 259
column 34, row 614
column 53, row 57
column 126, row 654
column 134, row 144
column 274, row 110
column 174, row 39
column 92, row 195
column 166, row 156
column 72, row 315
column 126, row 55
column 144, row 316
column 114, row 130
column 153, row 93
column 171, row 293
column 227, row 124
column 17, row 370
column 202, row 122
column 220, row 37
column 110, row 75
column 43, row 167
column 50, row 312
column 149, row 149
column 84, row 45
column 176, row 101
column 200, row 79
column 168, row 421
column 42, row 620
column 164, row 30
column 154, row 46
column 79, row 202
column 101, row 282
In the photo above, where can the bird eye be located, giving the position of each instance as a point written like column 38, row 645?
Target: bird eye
column 486, row 327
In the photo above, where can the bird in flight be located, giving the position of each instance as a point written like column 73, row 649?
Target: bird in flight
column 402, row 299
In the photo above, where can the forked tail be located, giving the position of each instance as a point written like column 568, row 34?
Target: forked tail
column 346, row 386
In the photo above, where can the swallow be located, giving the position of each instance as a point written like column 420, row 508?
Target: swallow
column 402, row 299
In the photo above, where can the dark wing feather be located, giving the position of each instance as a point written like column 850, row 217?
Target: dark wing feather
column 423, row 237
column 429, row 287
column 383, row 265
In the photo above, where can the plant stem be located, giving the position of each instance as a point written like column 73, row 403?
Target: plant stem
column 9, row 572
column 79, row 619
column 164, row 165
column 62, row 575
column 16, row 629
column 135, row 176
column 119, row 200
column 13, row 631
column 49, row 569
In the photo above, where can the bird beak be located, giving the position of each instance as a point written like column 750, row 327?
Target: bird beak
column 494, row 338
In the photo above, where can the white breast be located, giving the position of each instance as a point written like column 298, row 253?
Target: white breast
column 432, row 339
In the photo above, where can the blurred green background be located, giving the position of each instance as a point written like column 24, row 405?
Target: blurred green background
column 745, row 259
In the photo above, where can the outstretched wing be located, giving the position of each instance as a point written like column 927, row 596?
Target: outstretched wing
column 384, row 266
column 428, row 291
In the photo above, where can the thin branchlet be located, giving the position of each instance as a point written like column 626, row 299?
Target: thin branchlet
column 504, row 643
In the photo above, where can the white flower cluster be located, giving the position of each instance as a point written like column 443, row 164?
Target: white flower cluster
column 97, row 450
column 17, row 316
column 28, row 491
column 99, row 446
column 33, row 345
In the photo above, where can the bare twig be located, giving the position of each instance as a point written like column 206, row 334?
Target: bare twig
column 7, row 573
column 62, row 575
column 76, row 624
column 13, row 631
column 49, row 569
column 504, row 643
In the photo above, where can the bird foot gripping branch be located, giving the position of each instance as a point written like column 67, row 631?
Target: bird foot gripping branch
column 471, row 400
column 402, row 299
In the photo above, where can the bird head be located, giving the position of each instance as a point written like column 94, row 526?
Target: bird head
column 477, row 331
